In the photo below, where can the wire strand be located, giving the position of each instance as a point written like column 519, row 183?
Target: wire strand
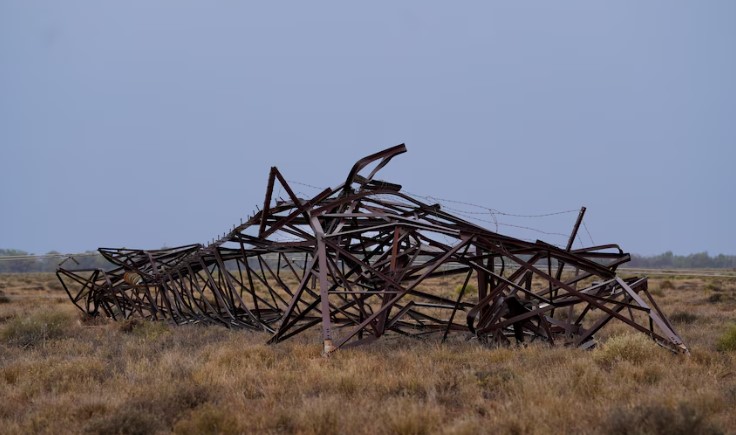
column 40, row 257
column 589, row 236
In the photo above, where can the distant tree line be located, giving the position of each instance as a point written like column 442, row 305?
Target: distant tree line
column 93, row 260
column 693, row 261
column 11, row 263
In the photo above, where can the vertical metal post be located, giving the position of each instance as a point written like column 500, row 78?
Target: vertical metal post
column 482, row 276
column 324, row 304
column 571, row 240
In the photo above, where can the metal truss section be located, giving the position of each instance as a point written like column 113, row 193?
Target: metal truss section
column 363, row 259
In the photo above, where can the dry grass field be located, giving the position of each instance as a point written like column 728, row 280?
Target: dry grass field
column 61, row 374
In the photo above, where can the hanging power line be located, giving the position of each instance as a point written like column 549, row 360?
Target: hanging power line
column 40, row 257
column 481, row 211
column 589, row 236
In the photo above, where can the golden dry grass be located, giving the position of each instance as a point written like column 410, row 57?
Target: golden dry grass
column 59, row 374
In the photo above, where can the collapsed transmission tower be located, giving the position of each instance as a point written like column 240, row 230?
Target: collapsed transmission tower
column 363, row 259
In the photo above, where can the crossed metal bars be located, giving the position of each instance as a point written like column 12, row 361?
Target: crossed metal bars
column 364, row 258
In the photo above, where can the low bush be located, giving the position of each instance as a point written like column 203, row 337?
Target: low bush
column 35, row 329
column 470, row 290
column 727, row 341
column 666, row 285
column 154, row 408
column 634, row 348
column 144, row 328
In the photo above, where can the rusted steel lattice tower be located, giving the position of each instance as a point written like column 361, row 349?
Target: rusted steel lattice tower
column 364, row 259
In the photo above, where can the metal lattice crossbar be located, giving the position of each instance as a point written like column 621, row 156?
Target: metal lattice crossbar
column 364, row 259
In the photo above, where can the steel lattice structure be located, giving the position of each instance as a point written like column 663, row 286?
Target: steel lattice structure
column 357, row 261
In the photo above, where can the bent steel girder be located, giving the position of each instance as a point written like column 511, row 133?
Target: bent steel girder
column 363, row 259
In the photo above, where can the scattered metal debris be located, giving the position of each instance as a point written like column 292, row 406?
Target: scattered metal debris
column 364, row 258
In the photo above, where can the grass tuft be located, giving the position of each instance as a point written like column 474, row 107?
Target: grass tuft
column 470, row 290
column 659, row 419
column 414, row 418
column 131, row 422
column 683, row 317
column 727, row 341
column 320, row 417
column 35, row 329
column 658, row 292
column 144, row 329
column 634, row 348
column 154, row 409
column 209, row 419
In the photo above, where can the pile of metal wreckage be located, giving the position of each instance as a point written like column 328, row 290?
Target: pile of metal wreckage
column 364, row 259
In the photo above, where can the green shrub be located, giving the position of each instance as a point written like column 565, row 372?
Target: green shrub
column 666, row 285
column 727, row 341
column 470, row 290
column 35, row 329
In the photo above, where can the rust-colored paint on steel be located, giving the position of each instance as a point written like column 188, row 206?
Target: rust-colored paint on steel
column 353, row 262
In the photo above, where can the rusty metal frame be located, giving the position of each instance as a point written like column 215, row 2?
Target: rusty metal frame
column 364, row 259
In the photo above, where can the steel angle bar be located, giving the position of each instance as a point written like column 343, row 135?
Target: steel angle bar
column 352, row 261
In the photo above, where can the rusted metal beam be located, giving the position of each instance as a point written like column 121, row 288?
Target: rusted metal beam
column 363, row 260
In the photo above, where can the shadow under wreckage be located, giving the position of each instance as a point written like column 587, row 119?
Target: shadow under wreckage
column 359, row 260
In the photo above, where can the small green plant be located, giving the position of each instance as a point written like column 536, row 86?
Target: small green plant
column 727, row 341
column 470, row 290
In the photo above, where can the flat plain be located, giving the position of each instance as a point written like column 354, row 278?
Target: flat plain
column 63, row 373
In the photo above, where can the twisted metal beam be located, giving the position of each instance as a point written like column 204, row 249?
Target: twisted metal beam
column 364, row 259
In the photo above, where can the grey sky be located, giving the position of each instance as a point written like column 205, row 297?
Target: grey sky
column 144, row 123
